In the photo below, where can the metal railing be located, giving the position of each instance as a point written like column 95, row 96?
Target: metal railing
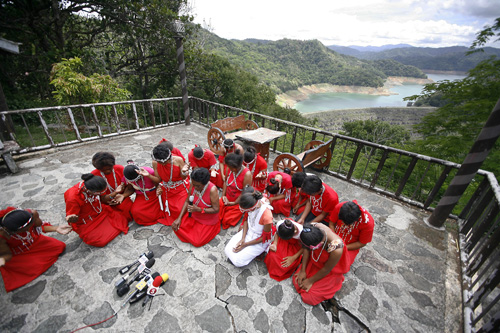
column 408, row 177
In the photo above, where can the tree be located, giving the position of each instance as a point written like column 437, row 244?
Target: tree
column 377, row 131
column 72, row 87
column 450, row 131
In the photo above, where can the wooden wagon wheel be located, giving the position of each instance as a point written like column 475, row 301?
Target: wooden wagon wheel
column 324, row 161
column 215, row 139
column 251, row 125
column 289, row 161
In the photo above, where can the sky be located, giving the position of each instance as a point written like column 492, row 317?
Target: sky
column 423, row 23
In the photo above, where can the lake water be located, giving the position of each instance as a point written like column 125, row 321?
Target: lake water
column 339, row 101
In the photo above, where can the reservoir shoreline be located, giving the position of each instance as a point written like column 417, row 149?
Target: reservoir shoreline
column 292, row 97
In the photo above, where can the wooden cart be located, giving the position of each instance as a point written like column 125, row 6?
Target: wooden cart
column 316, row 154
column 227, row 128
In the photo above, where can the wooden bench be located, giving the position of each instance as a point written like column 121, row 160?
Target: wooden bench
column 5, row 150
column 316, row 154
column 227, row 128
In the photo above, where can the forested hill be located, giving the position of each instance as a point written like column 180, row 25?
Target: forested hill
column 288, row 64
column 452, row 58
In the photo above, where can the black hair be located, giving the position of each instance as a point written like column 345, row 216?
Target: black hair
column 103, row 159
column 198, row 152
column 129, row 172
column 286, row 229
column 94, row 183
column 349, row 212
column 228, row 143
column 15, row 219
column 249, row 154
column 234, row 160
column 311, row 235
column 298, row 179
column 201, row 175
column 162, row 152
column 312, row 184
column 167, row 144
column 274, row 188
column 249, row 199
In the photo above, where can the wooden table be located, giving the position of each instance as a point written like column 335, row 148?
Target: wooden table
column 260, row 138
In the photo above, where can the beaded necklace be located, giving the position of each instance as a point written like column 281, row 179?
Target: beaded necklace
column 254, row 161
column 111, row 189
column 322, row 248
column 141, row 188
column 200, row 195
column 318, row 203
column 90, row 198
column 234, row 179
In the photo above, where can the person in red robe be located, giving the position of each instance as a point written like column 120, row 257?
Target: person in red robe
column 257, row 166
column 322, row 200
column 146, row 208
column 228, row 147
column 204, row 158
column 236, row 179
column 354, row 225
column 24, row 252
column 299, row 199
column 95, row 223
column 104, row 164
column 324, row 263
column 171, row 173
column 279, row 187
column 286, row 250
column 201, row 224
column 175, row 151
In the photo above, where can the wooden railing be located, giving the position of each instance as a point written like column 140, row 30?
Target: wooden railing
column 414, row 179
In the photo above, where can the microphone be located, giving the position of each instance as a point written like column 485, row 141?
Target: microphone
column 191, row 199
column 138, row 287
column 140, row 295
column 142, row 258
column 142, row 261
column 153, row 289
column 125, row 287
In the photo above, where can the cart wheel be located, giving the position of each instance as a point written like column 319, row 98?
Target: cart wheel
column 289, row 161
column 215, row 139
column 251, row 125
column 324, row 161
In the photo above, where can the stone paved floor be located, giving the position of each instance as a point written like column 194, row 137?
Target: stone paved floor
column 406, row 280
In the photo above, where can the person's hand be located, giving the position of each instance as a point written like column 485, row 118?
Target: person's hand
column 193, row 208
column 260, row 175
column 273, row 247
column 301, row 220
column 224, row 200
column 287, row 261
column 113, row 202
column 120, row 188
column 176, row 225
column 143, row 172
column 159, row 190
column 72, row 218
column 295, row 209
column 301, row 276
column 305, row 284
column 185, row 169
column 239, row 246
column 213, row 173
column 119, row 198
column 64, row 229
column 2, row 262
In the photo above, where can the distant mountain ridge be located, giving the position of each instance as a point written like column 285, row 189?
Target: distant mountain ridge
column 288, row 64
column 451, row 58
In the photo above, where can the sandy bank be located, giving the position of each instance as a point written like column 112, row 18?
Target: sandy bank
column 290, row 98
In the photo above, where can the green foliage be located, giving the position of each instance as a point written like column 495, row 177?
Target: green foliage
column 485, row 35
column 72, row 87
column 377, row 131
column 393, row 68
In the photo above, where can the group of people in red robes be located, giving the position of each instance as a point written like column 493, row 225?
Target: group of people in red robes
column 197, row 197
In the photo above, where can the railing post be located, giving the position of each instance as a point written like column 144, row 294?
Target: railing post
column 473, row 161
column 182, row 72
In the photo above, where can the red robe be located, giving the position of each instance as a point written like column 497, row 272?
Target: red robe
column 299, row 197
column 200, row 228
column 113, row 181
column 324, row 202
column 273, row 259
column 207, row 161
column 361, row 230
column 95, row 227
column 146, row 208
column 231, row 215
column 258, row 164
column 326, row 287
column 29, row 258
column 174, row 192
column 283, row 206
